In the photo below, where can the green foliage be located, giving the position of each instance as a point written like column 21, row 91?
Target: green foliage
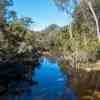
column 17, row 38
column 4, row 4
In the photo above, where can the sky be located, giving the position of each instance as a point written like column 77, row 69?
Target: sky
column 43, row 12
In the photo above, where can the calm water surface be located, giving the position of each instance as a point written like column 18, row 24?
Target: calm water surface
column 51, row 84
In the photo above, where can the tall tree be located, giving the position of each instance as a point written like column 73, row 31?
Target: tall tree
column 88, row 8
column 66, row 5
column 91, row 9
column 4, row 4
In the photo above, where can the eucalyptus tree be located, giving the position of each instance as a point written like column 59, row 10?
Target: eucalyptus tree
column 69, row 8
column 81, row 36
column 89, row 9
column 4, row 4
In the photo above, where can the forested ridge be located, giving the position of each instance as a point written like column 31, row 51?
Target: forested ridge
column 81, row 35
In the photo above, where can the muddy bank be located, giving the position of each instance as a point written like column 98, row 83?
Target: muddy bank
column 86, row 84
column 83, row 77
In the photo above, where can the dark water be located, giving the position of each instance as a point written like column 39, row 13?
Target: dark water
column 51, row 84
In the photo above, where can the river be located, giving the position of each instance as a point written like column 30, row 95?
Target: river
column 50, row 84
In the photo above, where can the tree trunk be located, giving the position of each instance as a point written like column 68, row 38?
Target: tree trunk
column 95, row 19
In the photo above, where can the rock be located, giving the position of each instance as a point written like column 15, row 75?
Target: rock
column 98, row 62
column 84, row 57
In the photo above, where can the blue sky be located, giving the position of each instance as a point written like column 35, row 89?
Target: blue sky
column 43, row 12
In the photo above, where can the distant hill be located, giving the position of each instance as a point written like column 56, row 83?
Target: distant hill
column 52, row 28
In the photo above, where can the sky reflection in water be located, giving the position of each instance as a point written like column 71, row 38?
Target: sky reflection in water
column 51, row 84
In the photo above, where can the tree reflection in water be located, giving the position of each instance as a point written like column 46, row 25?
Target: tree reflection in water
column 49, row 83
column 15, row 80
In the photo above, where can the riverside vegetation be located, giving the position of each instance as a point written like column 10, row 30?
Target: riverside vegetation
column 76, row 46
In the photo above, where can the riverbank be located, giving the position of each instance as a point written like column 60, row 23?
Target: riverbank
column 85, row 80
column 19, row 67
column 84, row 77
column 86, row 84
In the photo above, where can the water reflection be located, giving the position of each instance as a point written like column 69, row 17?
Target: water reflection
column 49, row 84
